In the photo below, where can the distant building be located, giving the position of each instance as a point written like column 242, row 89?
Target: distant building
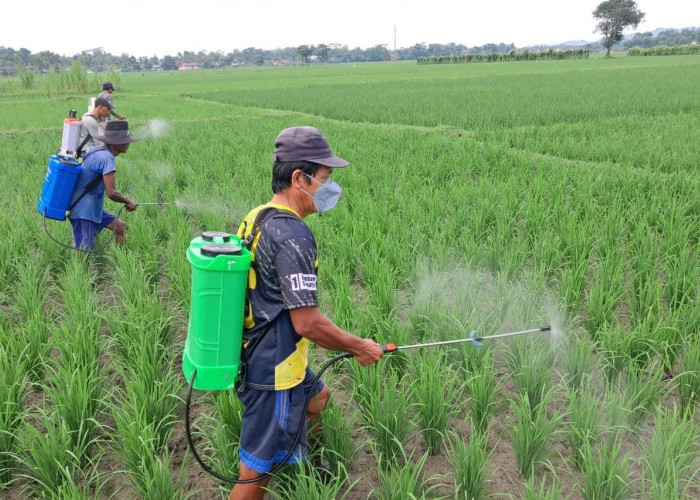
column 187, row 66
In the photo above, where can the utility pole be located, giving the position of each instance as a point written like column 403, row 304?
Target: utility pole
column 394, row 38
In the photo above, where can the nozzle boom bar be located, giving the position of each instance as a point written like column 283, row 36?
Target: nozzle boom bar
column 393, row 347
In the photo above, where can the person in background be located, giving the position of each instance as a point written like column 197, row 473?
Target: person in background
column 97, row 178
column 89, row 128
column 282, row 314
column 107, row 89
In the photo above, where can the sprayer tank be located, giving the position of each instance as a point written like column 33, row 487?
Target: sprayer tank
column 219, row 266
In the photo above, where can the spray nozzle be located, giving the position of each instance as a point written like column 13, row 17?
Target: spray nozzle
column 545, row 328
column 475, row 340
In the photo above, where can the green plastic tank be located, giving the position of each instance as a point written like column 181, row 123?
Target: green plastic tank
column 214, row 333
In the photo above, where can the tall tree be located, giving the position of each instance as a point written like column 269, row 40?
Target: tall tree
column 304, row 52
column 613, row 17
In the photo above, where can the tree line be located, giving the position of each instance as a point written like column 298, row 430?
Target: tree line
column 14, row 62
column 525, row 55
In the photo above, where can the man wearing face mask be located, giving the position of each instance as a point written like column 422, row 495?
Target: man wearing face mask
column 282, row 314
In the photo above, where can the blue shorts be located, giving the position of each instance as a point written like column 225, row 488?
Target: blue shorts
column 271, row 422
column 85, row 231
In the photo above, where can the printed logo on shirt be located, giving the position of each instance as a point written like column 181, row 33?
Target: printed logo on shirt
column 301, row 281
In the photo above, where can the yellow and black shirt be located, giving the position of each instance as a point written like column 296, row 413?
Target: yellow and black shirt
column 282, row 277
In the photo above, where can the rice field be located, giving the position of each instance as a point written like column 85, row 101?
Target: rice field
column 496, row 198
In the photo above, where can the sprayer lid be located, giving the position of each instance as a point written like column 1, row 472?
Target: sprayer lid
column 214, row 250
column 210, row 235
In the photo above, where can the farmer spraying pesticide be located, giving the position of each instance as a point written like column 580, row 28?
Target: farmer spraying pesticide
column 97, row 179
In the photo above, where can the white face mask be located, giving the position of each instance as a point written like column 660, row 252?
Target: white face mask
column 326, row 196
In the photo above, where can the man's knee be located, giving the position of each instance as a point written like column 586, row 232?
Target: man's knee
column 318, row 403
column 119, row 227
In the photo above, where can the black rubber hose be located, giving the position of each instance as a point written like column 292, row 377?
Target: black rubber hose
column 291, row 449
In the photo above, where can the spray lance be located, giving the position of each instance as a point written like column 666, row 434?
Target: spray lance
column 211, row 359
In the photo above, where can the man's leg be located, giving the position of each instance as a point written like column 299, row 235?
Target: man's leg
column 313, row 414
column 252, row 491
column 84, row 232
column 109, row 221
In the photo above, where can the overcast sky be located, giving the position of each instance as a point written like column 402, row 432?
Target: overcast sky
column 166, row 27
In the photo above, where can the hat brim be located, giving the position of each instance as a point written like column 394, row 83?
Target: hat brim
column 116, row 140
column 330, row 161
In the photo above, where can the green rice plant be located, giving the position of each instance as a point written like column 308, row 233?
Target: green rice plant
column 154, row 479
column 12, row 411
column 578, row 361
column 470, row 463
column 46, row 461
column 34, row 357
column 305, row 482
column 683, row 271
column 605, row 471
column 613, row 353
column 544, row 491
column 223, row 431
column 529, row 364
column 642, row 393
column 688, row 378
column 151, row 392
column 77, row 392
column 336, row 435
column 532, row 432
column 405, row 480
column 583, row 426
column 386, row 414
column 668, row 333
column 434, row 392
column 30, row 289
column 142, row 450
column 669, row 455
column 483, row 389
column 642, row 343
column 605, row 293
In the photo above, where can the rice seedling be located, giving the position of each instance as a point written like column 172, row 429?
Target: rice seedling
column 532, row 432
column 688, row 378
column 388, row 419
column 30, row 289
column 670, row 455
column 606, row 293
column 34, row 333
column 642, row 393
column 336, row 435
column 154, row 479
column 605, row 471
column 434, row 393
column 613, row 354
column 470, row 463
column 583, row 427
column 545, row 491
column 483, row 390
column 529, row 364
column 405, row 480
column 77, row 393
column 46, row 461
column 12, row 411
column 222, row 432
column 579, row 361
column 306, row 483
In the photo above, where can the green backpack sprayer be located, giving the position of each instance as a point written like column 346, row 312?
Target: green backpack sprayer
column 64, row 168
column 220, row 263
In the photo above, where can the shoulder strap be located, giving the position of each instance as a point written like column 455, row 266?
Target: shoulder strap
column 261, row 217
column 91, row 185
column 79, row 151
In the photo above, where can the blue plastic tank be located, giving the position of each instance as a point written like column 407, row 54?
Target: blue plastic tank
column 59, row 184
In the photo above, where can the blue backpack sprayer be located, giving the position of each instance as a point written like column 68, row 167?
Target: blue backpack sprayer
column 220, row 263
column 57, row 192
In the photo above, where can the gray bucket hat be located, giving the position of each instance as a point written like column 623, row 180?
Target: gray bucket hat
column 306, row 143
column 116, row 132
